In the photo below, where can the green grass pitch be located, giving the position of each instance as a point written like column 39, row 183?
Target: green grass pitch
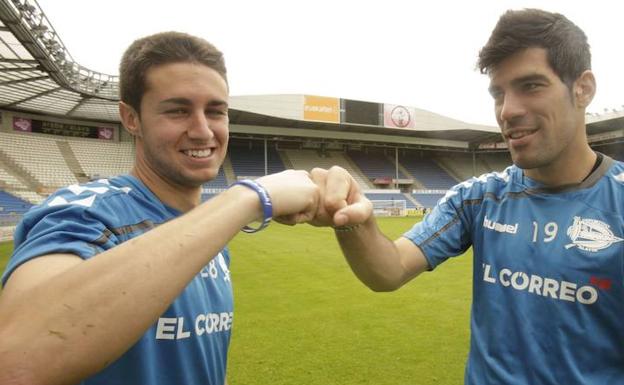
column 301, row 316
column 6, row 248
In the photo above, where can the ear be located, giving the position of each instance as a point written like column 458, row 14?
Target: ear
column 130, row 119
column 584, row 89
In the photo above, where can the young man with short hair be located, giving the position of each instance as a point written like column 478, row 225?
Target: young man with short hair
column 126, row 280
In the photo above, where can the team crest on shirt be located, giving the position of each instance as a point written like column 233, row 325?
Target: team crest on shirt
column 591, row 235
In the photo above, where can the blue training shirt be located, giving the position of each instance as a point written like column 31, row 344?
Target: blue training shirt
column 548, row 282
column 188, row 343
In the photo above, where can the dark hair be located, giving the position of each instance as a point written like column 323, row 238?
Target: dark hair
column 158, row 49
column 566, row 44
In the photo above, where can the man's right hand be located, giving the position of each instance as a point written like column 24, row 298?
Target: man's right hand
column 294, row 196
column 342, row 202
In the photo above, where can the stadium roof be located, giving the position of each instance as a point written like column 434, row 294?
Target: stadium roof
column 38, row 74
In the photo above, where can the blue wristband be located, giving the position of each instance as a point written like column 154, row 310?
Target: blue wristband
column 265, row 201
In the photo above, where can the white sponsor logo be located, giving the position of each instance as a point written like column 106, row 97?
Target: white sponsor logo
column 591, row 235
column 543, row 286
column 324, row 109
column 208, row 323
column 500, row 227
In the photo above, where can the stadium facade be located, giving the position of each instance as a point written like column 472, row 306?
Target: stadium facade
column 59, row 125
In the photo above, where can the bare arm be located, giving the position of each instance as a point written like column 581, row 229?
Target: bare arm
column 380, row 263
column 63, row 319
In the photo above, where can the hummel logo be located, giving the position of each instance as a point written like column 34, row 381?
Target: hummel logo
column 500, row 227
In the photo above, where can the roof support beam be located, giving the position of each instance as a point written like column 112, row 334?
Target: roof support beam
column 18, row 61
column 26, row 80
column 78, row 105
column 19, row 69
column 33, row 97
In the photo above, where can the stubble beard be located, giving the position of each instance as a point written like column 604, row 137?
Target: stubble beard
column 171, row 172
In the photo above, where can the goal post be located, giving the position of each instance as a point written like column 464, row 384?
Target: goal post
column 389, row 208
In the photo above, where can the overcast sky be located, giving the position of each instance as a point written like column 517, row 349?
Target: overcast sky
column 415, row 53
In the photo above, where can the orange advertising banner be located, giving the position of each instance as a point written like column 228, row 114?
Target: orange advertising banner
column 321, row 108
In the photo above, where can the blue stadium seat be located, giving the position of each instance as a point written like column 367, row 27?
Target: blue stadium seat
column 219, row 182
column 375, row 164
column 12, row 208
column 390, row 197
column 428, row 200
column 427, row 172
column 249, row 161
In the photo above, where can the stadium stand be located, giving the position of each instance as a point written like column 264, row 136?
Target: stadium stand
column 248, row 159
column 426, row 171
column 436, row 153
column 215, row 186
column 39, row 156
column 614, row 150
column 11, row 208
column 308, row 159
column 427, row 200
column 8, row 181
column 461, row 166
column 376, row 166
column 219, row 182
column 28, row 196
column 464, row 166
column 376, row 196
column 102, row 159
column 13, row 185
column 496, row 161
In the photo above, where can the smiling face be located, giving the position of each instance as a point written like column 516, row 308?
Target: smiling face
column 540, row 119
column 182, row 130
